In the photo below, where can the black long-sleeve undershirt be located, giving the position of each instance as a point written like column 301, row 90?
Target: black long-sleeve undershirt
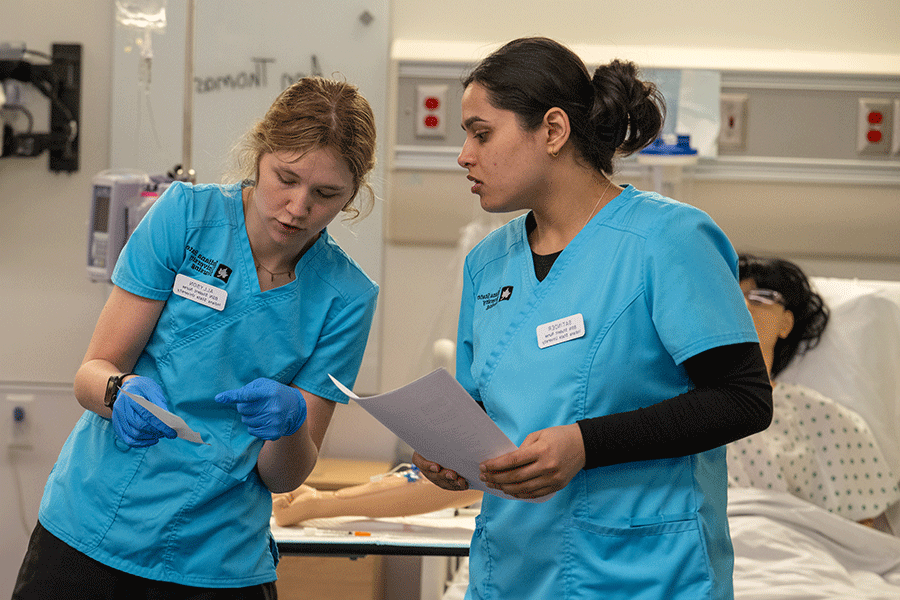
column 732, row 399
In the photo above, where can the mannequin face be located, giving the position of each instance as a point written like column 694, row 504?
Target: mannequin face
column 772, row 321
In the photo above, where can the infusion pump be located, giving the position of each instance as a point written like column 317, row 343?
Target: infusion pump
column 120, row 199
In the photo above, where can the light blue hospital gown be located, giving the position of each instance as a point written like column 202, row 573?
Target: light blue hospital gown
column 193, row 514
column 656, row 283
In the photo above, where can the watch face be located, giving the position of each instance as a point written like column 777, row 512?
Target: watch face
column 112, row 390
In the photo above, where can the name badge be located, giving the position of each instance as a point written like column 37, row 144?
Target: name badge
column 559, row 331
column 199, row 292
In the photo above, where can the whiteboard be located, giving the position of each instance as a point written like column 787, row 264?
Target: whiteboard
column 245, row 54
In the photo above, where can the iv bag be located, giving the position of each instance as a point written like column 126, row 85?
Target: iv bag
column 142, row 14
column 146, row 16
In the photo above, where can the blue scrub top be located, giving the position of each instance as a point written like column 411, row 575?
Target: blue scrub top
column 194, row 514
column 655, row 282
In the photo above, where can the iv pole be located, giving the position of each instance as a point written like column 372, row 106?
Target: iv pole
column 188, row 110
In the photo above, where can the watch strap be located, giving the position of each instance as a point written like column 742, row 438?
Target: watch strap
column 112, row 388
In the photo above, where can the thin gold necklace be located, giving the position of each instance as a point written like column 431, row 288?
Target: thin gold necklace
column 591, row 214
column 290, row 274
column 259, row 265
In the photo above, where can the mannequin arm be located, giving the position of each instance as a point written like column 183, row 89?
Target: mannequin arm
column 391, row 496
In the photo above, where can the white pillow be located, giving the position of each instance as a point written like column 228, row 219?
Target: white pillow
column 857, row 361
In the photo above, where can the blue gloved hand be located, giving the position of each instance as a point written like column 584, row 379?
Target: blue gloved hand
column 269, row 409
column 134, row 424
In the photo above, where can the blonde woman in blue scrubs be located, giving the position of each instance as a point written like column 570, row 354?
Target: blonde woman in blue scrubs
column 606, row 334
column 230, row 307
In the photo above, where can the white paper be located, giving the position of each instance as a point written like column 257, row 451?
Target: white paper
column 442, row 422
column 172, row 420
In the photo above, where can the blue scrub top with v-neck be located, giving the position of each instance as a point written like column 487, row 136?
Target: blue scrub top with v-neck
column 177, row 511
column 655, row 282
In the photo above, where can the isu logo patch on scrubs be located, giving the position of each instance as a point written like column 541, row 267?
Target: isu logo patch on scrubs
column 207, row 266
column 222, row 272
column 489, row 301
column 559, row 331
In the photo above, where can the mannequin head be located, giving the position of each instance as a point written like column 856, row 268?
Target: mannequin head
column 789, row 316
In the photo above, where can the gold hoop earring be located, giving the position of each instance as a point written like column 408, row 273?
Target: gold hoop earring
column 554, row 154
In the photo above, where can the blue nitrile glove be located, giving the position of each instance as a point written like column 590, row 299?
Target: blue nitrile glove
column 269, row 409
column 134, row 424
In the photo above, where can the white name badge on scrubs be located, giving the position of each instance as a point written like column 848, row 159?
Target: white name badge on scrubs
column 202, row 293
column 559, row 331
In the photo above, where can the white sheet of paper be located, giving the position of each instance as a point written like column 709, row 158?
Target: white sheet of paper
column 442, row 422
column 172, row 420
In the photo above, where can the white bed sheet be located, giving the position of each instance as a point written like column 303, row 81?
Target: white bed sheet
column 788, row 549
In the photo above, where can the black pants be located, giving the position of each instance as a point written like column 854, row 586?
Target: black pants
column 53, row 569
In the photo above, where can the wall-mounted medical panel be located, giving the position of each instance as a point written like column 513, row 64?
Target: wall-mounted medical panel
column 410, row 143
column 794, row 150
column 818, row 118
column 799, row 126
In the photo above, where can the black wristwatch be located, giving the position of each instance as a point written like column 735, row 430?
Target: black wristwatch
column 112, row 388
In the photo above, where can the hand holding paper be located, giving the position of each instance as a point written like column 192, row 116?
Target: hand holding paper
column 139, row 429
column 440, row 475
column 133, row 422
column 441, row 421
column 545, row 462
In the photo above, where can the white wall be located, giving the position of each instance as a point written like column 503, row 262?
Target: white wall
column 807, row 25
column 47, row 306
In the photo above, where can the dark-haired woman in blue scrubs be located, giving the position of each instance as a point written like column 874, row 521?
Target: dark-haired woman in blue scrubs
column 605, row 332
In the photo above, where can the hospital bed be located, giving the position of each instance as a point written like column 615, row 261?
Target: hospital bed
column 785, row 548
column 788, row 549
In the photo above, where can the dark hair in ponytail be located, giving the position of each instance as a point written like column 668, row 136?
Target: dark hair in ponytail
column 613, row 112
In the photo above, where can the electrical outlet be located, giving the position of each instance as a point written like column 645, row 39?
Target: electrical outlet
column 733, row 118
column 431, row 111
column 19, row 419
column 876, row 126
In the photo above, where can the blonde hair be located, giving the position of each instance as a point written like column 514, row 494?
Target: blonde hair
column 317, row 113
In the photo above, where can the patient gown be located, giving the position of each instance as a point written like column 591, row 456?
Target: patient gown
column 817, row 450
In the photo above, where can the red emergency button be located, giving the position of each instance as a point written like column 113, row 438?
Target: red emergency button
column 874, row 136
column 875, row 117
column 431, row 103
column 431, row 121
